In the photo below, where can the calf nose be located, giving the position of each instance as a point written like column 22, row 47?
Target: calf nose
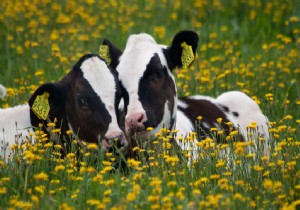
column 135, row 120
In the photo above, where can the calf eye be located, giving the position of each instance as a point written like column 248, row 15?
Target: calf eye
column 81, row 102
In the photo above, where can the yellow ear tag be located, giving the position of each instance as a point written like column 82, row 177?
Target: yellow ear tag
column 41, row 106
column 104, row 53
column 187, row 56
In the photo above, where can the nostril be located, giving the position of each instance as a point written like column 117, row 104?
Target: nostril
column 141, row 118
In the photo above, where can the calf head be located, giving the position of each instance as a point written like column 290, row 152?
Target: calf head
column 147, row 83
column 85, row 101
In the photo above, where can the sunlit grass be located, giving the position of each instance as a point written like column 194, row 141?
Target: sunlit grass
column 252, row 46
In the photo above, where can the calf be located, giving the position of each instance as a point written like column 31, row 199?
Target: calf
column 230, row 111
column 84, row 101
column 148, row 85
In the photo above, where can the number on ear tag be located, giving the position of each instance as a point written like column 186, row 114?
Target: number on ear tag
column 104, row 53
column 41, row 106
column 187, row 56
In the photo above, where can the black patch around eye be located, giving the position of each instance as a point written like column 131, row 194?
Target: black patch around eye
column 80, row 101
column 158, row 74
column 154, row 69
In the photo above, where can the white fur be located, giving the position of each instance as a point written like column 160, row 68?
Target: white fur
column 182, row 104
column 247, row 109
column 2, row 91
column 15, row 126
column 96, row 72
column 185, row 127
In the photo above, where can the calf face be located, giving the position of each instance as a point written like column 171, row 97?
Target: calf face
column 148, row 86
column 85, row 101
column 243, row 111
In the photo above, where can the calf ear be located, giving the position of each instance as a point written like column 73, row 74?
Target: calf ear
column 182, row 52
column 48, row 101
column 110, row 53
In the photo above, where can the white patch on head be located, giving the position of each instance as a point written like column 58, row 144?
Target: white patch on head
column 94, row 71
column 247, row 109
column 140, row 48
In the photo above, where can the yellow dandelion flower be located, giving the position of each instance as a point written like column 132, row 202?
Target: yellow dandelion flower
column 59, row 168
column 149, row 128
column 69, row 132
column 268, row 184
column 41, row 176
column 220, row 163
column 172, row 183
column 35, row 199
column 214, row 176
column 56, row 130
column 258, row 168
column 107, row 192
column 3, row 190
column 197, row 192
column 92, row 146
column 250, row 155
column 40, row 189
column 130, row 196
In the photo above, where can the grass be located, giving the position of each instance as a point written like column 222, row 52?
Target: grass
column 252, row 46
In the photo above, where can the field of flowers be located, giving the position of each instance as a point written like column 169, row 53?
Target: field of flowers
column 252, row 46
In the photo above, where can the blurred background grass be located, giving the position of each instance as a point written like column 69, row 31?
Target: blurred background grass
column 247, row 45
column 251, row 46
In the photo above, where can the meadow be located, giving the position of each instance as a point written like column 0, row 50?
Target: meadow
column 252, row 46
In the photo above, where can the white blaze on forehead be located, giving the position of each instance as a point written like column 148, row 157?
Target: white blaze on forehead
column 140, row 48
column 96, row 72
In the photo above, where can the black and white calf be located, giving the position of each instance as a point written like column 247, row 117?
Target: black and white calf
column 148, row 85
column 85, row 101
column 149, row 89
column 233, row 106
